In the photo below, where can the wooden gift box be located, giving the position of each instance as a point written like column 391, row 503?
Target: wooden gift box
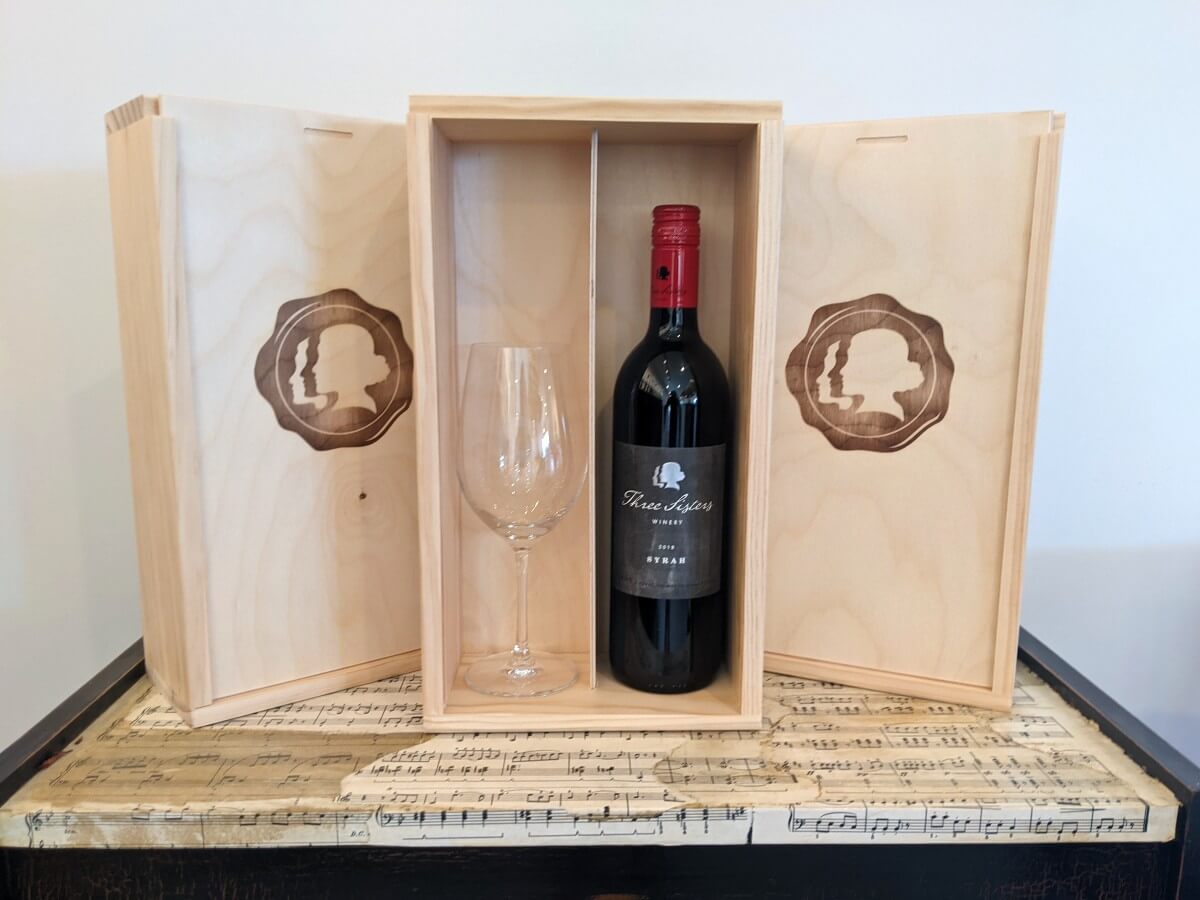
column 274, row 570
column 530, row 223
column 273, row 457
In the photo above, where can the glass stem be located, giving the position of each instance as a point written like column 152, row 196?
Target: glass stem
column 520, row 650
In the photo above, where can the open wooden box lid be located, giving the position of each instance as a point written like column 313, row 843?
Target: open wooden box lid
column 263, row 287
column 912, row 281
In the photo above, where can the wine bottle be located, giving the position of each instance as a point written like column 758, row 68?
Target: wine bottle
column 671, row 421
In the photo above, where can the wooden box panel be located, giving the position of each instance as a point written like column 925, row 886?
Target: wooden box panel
column 530, row 222
column 900, row 481
column 262, row 264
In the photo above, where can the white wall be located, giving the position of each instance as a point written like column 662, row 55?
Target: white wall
column 1114, row 567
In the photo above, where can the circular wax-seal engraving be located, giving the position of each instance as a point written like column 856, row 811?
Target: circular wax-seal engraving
column 871, row 374
column 336, row 370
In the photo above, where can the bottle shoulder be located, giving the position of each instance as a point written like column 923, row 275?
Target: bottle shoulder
column 680, row 370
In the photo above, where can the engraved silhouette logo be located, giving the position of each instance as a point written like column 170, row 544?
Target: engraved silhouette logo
column 336, row 371
column 668, row 475
column 871, row 374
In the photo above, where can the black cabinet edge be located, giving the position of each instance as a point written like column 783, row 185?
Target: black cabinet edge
column 1143, row 744
column 1136, row 738
column 724, row 872
column 51, row 735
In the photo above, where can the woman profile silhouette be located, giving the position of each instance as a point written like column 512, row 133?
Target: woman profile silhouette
column 342, row 364
column 668, row 475
column 871, row 374
column 336, row 370
column 864, row 372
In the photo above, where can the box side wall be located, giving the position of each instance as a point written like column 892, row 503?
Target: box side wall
column 237, row 705
column 432, row 248
column 156, row 363
column 890, row 682
column 1020, row 475
column 752, row 347
column 595, row 111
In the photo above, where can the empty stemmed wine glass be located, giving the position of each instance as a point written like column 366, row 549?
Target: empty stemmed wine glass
column 521, row 464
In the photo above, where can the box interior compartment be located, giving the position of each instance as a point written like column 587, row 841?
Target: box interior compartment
column 541, row 233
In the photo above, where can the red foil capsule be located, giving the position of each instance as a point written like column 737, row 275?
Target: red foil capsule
column 675, row 257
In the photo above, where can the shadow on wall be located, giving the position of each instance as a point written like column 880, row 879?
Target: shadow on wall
column 104, row 516
column 68, row 559
column 1148, row 598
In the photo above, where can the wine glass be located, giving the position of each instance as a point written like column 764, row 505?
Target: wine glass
column 521, row 463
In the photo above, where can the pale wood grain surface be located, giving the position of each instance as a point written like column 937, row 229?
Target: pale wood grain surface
column 521, row 237
column 1025, row 412
column 308, row 560
column 157, row 353
column 597, row 110
column 755, row 274
column 272, row 213
column 885, row 568
column 431, row 241
column 231, row 706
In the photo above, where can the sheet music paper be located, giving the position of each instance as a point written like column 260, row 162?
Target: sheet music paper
column 832, row 764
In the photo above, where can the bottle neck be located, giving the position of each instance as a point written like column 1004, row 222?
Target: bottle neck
column 674, row 284
column 673, row 323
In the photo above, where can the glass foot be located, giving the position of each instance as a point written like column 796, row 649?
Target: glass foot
column 505, row 675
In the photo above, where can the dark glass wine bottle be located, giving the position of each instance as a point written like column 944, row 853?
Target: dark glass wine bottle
column 671, row 421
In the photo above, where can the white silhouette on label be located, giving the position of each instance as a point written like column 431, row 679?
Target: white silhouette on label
column 668, row 475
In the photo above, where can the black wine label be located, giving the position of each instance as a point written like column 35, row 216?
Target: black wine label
column 667, row 520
